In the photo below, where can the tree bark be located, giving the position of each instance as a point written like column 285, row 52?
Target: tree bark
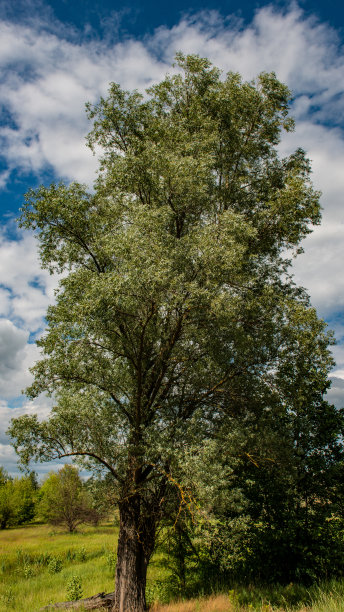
column 135, row 547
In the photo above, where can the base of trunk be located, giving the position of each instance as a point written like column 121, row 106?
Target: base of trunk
column 135, row 545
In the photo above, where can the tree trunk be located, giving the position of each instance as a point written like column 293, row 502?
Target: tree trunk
column 135, row 546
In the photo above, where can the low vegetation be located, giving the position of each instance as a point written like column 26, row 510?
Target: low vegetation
column 40, row 565
column 38, row 562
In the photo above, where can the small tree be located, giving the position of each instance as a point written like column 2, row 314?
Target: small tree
column 64, row 501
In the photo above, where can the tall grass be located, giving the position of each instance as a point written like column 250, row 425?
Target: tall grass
column 37, row 563
column 326, row 598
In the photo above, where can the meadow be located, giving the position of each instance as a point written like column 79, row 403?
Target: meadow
column 40, row 565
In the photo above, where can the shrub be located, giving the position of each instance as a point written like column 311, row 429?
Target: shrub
column 74, row 588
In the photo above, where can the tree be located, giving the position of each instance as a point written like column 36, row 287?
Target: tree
column 176, row 288
column 64, row 500
column 269, row 480
column 17, row 500
column 6, row 499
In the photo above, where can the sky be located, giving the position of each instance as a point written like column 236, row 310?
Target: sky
column 57, row 55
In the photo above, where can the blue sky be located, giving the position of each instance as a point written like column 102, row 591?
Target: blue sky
column 55, row 56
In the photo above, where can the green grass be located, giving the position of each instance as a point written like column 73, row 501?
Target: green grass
column 30, row 555
column 26, row 581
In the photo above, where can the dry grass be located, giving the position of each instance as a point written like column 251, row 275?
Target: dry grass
column 331, row 602
column 220, row 603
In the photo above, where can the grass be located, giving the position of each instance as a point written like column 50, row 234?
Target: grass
column 329, row 598
column 31, row 557
column 37, row 563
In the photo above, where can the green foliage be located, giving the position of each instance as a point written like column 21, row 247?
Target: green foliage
column 174, row 289
column 269, row 493
column 111, row 561
column 101, row 494
column 54, row 565
column 160, row 591
column 7, row 507
column 64, row 500
column 74, row 588
column 4, row 477
column 17, row 500
column 82, row 554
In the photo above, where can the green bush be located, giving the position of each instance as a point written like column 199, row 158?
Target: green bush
column 74, row 588
column 54, row 565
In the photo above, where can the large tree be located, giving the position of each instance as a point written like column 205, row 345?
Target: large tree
column 175, row 291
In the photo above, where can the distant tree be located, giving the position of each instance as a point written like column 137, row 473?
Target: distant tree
column 6, row 504
column 64, row 500
column 4, row 477
column 17, row 500
column 25, row 494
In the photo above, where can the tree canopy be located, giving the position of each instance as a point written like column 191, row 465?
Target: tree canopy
column 176, row 315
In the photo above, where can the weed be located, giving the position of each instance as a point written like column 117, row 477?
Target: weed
column 70, row 555
column 74, row 588
column 43, row 559
column 82, row 554
column 54, row 565
column 111, row 560
column 158, row 592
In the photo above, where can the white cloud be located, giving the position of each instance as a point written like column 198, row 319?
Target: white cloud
column 16, row 356
column 8, row 458
column 320, row 267
column 335, row 395
column 46, row 95
column 47, row 79
column 40, row 406
column 26, row 290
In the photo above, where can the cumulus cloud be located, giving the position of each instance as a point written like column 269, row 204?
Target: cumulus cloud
column 335, row 395
column 40, row 406
column 25, row 290
column 46, row 83
column 16, row 356
column 48, row 78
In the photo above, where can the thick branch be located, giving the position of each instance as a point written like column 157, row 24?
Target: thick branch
column 94, row 456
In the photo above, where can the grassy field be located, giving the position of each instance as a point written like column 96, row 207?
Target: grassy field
column 37, row 563
column 320, row 600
